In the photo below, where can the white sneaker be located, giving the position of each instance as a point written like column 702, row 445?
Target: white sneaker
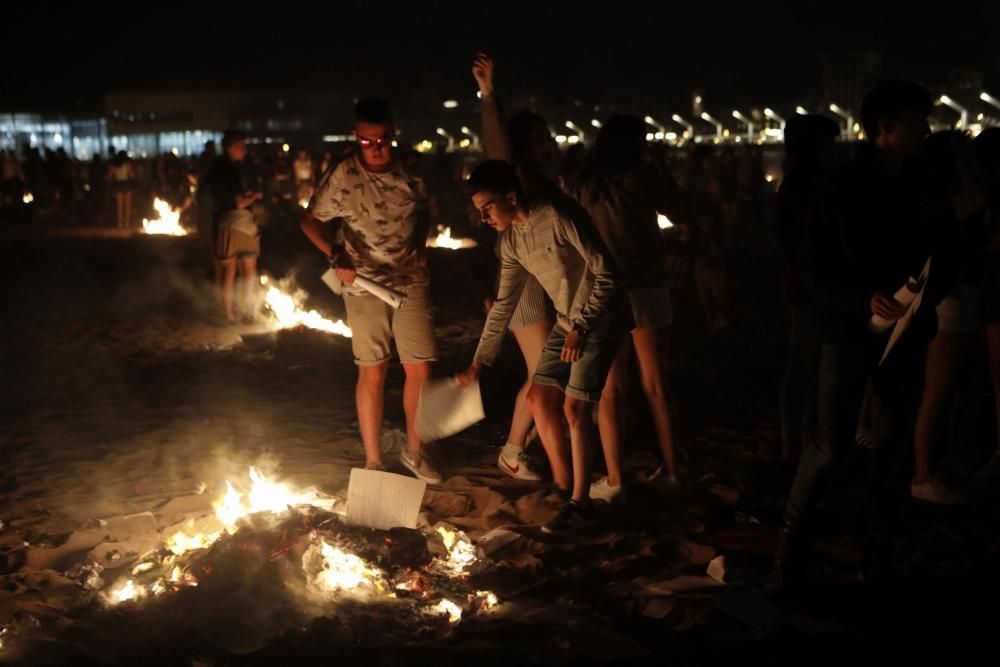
column 421, row 466
column 935, row 492
column 602, row 490
column 514, row 462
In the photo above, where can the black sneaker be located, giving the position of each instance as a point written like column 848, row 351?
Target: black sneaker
column 573, row 516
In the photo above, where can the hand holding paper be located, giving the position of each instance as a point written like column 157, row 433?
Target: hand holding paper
column 445, row 408
column 468, row 376
column 386, row 294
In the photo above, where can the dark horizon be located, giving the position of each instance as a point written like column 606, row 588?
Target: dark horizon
column 764, row 54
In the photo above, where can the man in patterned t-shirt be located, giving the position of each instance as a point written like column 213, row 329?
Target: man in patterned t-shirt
column 384, row 221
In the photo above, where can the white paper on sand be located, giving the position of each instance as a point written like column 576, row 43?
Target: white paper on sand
column 496, row 539
column 445, row 409
column 386, row 294
column 383, row 500
column 904, row 322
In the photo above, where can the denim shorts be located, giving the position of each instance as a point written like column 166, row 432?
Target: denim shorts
column 583, row 379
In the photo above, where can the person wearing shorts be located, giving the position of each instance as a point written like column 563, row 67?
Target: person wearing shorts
column 554, row 242
column 236, row 240
column 384, row 216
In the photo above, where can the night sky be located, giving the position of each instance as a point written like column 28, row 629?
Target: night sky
column 757, row 53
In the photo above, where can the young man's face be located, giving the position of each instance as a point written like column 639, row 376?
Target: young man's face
column 497, row 211
column 237, row 151
column 375, row 142
column 905, row 135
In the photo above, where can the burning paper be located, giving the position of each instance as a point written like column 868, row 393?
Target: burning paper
column 182, row 542
column 287, row 311
column 334, row 570
column 461, row 552
column 265, row 495
column 444, row 240
column 124, row 591
column 487, row 599
column 142, row 567
column 448, row 607
column 167, row 222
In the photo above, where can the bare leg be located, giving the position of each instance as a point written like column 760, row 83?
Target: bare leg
column 651, row 352
column 370, row 399
column 218, row 276
column 248, row 267
column 581, row 435
column 416, row 377
column 610, row 418
column 228, row 281
column 545, row 402
column 531, row 339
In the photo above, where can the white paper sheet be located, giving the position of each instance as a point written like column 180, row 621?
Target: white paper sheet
column 445, row 409
column 383, row 500
column 904, row 322
column 386, row 294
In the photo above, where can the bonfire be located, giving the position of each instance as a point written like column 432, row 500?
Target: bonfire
column 167, row 221
column 286, row 311
column 444, row 239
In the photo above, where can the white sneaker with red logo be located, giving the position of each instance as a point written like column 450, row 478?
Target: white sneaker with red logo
column 514, row 462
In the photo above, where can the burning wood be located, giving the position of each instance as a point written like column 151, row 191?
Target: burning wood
column 167, row 222
column 287, row 312
column 445, row 240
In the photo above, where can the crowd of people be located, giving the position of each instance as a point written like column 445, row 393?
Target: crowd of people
column 892, row 258
column 892, row 267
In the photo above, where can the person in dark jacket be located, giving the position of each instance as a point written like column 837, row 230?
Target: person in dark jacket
column 875, row 226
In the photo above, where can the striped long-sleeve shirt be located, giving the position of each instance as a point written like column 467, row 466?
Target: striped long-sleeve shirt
column 567, row 258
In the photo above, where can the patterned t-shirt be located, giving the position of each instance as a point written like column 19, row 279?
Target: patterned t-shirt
column 385, row 221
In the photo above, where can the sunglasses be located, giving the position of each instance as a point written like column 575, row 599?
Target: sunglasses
column 381, row 142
